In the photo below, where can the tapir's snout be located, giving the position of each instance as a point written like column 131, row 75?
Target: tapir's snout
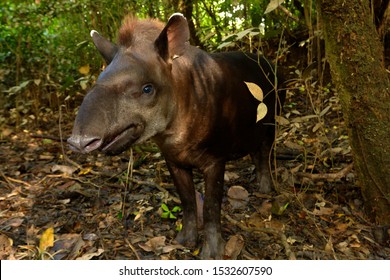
column 84, row 145
column 111, row 142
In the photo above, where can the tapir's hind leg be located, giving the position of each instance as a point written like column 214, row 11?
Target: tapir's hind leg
column 261, row 159
column 213, row 245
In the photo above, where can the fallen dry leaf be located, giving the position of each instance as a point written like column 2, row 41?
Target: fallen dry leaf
column 234, row 247
column 65, row 169
column 238, row 197
column 154, row 244
column 323, row 211
column 157, row 245
column 329, row 246
column 15, row 222
column 5, row 246
column 67, row 246
column 265, row 208
column 169, row 248
column 229, row 176
column 89, row 256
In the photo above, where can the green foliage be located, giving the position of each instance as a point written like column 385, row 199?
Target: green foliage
column 169, row 214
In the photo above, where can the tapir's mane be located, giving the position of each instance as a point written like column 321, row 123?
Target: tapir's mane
column 134, row 29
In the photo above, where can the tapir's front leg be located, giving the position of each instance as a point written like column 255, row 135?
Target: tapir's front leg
column 183, row 181
column 213, row 247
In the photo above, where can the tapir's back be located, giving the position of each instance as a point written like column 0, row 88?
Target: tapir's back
column 235, row 131
column 248, row 67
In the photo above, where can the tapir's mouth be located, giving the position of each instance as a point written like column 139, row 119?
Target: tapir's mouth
column 114, row 143
column 122, row 140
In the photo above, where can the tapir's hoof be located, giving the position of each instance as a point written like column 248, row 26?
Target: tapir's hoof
column 265, row 184
column 213, row 250
column 187, row 239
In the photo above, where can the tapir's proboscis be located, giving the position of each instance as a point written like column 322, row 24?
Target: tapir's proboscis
column 194, row 105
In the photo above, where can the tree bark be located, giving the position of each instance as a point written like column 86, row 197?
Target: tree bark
column 355, row 55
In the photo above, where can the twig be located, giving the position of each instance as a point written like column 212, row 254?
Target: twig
column 250, row 229
column 9, row 183
column 66, row 158
column 288, row 13
column 129, row 176
column 44, row 136
column 132, row 249
column 328, row 176
column 290, row 254
column 8, row 179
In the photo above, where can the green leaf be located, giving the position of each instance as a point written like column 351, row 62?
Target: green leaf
column 225, row 44
column 273, row 4
column 241, row 34
column 165, row 215
column 47, row 141
column 24, row 84
column 164, row 207
column 176, row 209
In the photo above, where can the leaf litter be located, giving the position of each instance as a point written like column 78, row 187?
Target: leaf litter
column 72, row 206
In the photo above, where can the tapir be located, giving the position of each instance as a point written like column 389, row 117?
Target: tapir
column 194, row 105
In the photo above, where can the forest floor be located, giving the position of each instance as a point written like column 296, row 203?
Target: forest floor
column 125, row 207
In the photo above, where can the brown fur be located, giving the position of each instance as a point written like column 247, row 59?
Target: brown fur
column 133, row 30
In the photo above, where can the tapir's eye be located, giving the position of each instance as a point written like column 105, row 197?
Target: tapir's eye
column 148, row 89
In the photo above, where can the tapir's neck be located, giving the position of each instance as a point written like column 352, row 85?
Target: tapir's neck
column 196, row 77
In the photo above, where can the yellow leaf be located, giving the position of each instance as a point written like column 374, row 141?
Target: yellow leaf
column 47, row 239
column 256, row 91
column 85, row 171
column 261, row 111
column 84, row 69
column 196, row 252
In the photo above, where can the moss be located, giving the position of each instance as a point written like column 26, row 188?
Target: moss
column 354, row 52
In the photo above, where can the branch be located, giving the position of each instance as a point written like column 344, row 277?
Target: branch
column 288, row 13
column 328, row 176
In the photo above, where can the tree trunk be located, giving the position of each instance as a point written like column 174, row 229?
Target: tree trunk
column 355, row 55
column 186, row 7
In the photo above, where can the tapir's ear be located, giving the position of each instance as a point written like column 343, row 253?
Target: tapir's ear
column 174, row 39
column 107, row 49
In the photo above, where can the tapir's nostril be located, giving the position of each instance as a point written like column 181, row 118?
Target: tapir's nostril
column 84, row 144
